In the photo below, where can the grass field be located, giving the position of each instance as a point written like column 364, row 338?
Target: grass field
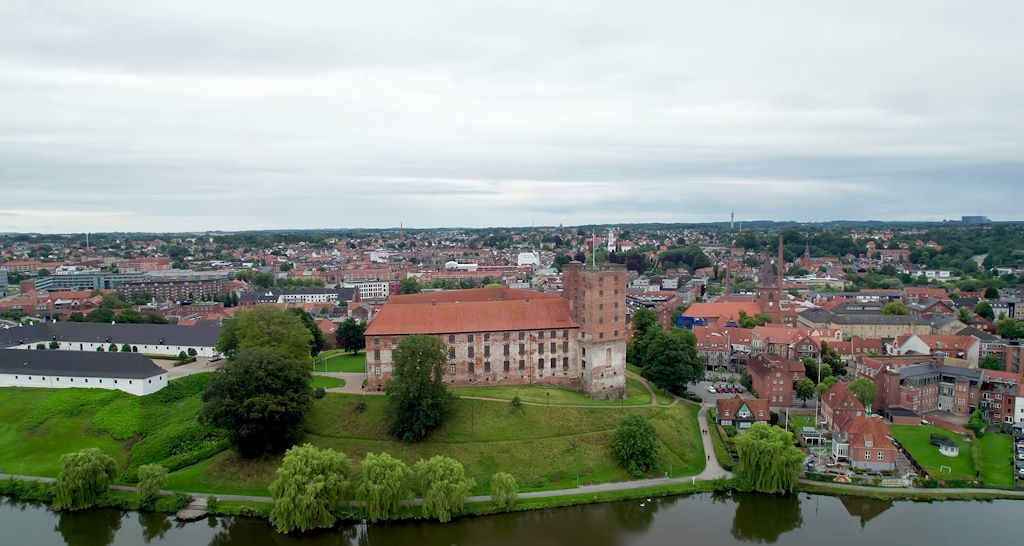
column 636, row 394
column 327, row 382
column 994, row 457
column 544, row 448
column 37, row 426
column 337, row 360
column 917, row 440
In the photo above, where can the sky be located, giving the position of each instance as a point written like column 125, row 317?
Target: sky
column 234, row 115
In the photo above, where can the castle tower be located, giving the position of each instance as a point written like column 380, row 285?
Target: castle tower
column 769, row 292
column 597, row 303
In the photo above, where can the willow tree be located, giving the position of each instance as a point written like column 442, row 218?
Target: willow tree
column 84, row 476
column 443, row 483
column 310, row 486
column 769, row 462
column 383, row 485
column 504, row 489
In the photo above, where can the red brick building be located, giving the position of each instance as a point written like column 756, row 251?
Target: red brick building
column 773, row 377
column 502, row 336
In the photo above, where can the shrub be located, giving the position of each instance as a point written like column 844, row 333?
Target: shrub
column 319, row 393
column 212, row 504
column 192, row 352
column 40, row 346
column 517, row 402
column 361, row 404
column 730, row 431
column 152, row 478
column 635, row 443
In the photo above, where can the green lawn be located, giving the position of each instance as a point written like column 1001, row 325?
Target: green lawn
column 327, row 382
column 996, row 459
column 636, row 394
column 337, row 360
column 37, row 426
column 544, row 448
column 917, row 440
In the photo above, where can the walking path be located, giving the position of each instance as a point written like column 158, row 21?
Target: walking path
column 353, row 382
column 924, row 491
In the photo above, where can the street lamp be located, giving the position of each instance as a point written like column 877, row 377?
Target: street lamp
column 548, row 393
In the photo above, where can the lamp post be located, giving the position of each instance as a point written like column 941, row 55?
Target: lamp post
column 548, row 394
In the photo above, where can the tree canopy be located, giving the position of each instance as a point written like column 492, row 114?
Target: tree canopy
column 265, row 326
column 669, row 359
column 864, row 389
column 984, row 309
column 804, row 390
column 84, row 476
column 309, row 488
column 152, row 478
column 261, row 397
column 768, row 460
column 635, row 444
column 383, row 485
column 317, row 341
column 417, row 399
column 444, row 486
column 504, row 489
column 350, row 335
column 894, row 308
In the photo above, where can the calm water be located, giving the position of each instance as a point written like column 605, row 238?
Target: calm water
column 699, row 519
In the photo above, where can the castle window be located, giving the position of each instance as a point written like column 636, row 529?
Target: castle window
column 394, row 341
column 554, row 334
column 487, row 337
column 376, row 371
column 600, row 293
column 553, row 361
column 451, row 353
column 565, row 346
column 540, row 348
column 565, row 334
column 505, row 336
column 451, row 369
column 376, row 354
column 540, row 334
column 616, row 334
column 506, row 349
column 540, row 364
column 522, row 364
column 522, row 336
column 522, row 348
column 565, row 363
column 487, row 350
column 554, row 346
column 469, row 337
column 469, row 352
column 506, row 366
column 487, row 367
column 451, row 338
column 376, row 341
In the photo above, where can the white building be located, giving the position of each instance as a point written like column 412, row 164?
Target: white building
column 371, row 290
column 155, row 339
column 456, row 266
column 528, row 258
column 129, row 372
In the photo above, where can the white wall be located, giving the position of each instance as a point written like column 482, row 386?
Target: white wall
column 171, row 350
column 138, row 387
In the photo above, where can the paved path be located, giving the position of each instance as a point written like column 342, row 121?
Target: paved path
column 202, row 364
column 924, row 491
column 353, row 382
column 713, row 469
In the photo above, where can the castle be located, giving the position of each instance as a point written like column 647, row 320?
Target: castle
column 502, row 336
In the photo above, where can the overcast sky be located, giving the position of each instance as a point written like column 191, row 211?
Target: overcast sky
column 194, row 115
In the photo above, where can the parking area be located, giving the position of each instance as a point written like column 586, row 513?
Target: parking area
column 708, row 397
column 1018, row 460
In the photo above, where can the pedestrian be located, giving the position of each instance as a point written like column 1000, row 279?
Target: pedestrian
column 709, row 458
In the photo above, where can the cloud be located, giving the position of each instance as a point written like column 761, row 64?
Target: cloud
column 318, row 114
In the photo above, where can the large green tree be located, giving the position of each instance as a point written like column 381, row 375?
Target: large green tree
column 669, row 359
column 444, row 486
column 409, row 285
column 84, row 476
column 309, row 488
column 864, row 389
column 635, row 444
column 417, row 399
column 350, row 335
column 984, row 309
column 804, row 390
column 769, row 462
column 317, row 341
column 991, row 363
column 261, row 397
column 383, row 485
column 265, row 326
column 830, row 357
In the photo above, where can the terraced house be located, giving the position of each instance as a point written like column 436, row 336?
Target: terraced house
column 502, row 336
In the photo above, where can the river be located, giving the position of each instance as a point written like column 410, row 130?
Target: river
column 714, row 519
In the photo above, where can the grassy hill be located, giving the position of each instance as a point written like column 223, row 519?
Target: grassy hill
column 544, row 447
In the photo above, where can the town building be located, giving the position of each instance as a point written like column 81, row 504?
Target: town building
column 742, row 413
column 129, row 372
column 156, row 339
column 859, row 438
column 773, row 377
column 960, row 347
column 502, row 336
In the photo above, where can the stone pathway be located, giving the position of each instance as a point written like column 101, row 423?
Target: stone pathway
column 353, row 382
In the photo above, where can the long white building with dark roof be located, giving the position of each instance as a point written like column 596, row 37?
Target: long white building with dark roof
column 155, row 339
column 129, row 372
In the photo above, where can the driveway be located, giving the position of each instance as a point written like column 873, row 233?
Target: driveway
column 202, row 364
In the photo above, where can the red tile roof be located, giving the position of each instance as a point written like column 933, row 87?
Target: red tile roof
column 727, row 407
column 472, row 312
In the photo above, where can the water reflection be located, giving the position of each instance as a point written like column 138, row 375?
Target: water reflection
column 865, row 509
column 764, row 518
column 89, row 527
column 154, row 525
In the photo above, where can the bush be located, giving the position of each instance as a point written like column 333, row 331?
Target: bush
column 152, row 478
column 635, row 443
column 443, row 483
column 192, row 352
column 517, row 402
column 319, row 393
column 730, row 431
column 212, row 504
column 361, row 404
column 976, row 423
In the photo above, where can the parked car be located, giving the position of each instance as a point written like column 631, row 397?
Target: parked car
column 711, row 388
column 739, row 389
column 722, row 388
